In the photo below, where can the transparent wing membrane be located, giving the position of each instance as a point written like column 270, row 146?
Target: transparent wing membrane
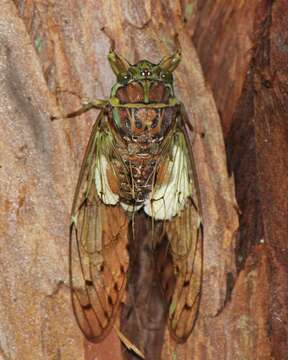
column 98, row 245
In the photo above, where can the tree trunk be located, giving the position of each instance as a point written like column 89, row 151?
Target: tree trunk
column 233, row 82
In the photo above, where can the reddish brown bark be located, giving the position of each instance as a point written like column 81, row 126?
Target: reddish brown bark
column 257, row 144
column 53, row 53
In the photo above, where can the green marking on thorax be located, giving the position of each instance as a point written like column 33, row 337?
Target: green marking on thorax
column 114, row 102
column 116, row 116
column 146, row 87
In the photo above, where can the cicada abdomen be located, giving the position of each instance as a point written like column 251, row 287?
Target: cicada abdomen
column 137, row 185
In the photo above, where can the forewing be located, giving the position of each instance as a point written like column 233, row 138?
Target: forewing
column 175, row 200
column 185, row 234
column 98, row 242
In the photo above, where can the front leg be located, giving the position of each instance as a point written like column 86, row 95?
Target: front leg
column 86, row 106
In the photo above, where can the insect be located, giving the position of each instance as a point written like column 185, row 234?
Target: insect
column 139, row 159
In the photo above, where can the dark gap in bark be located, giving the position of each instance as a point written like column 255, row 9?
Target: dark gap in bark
column 242, row 150
column 144, row 314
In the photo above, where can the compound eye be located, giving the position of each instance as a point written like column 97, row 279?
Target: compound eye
column 124, row 78
column 127, row 76
column 166, row 76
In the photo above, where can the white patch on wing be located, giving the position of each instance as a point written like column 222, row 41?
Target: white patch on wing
column 169, row 199
column 131, row 208
column 102, row 185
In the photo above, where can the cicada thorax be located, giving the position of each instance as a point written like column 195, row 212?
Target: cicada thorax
column 141, row 133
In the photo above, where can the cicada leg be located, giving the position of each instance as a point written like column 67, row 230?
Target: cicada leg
column 86, row 106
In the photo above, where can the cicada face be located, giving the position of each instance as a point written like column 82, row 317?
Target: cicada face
column 143, row 85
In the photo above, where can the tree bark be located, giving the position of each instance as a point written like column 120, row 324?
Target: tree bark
column 250, row 91
column 232, row 80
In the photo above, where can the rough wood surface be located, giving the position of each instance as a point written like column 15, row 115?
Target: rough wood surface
column 250, row 89
column 54, row 52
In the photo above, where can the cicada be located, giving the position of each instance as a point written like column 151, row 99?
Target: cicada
column 139, row 159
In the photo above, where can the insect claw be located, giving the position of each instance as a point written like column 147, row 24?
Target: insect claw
column 52, row 118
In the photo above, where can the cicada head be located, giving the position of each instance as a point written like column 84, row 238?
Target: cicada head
column 143, row 82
